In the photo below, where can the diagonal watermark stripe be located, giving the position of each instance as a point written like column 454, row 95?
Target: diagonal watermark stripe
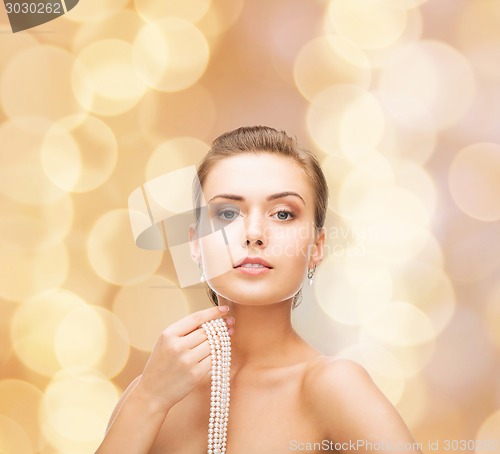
column 25, row 14
column 161, row 214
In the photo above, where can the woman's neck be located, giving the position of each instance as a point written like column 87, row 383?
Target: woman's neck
column 264, row 337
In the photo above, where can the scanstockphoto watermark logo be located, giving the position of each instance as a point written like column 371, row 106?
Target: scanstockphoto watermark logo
column 25, row 14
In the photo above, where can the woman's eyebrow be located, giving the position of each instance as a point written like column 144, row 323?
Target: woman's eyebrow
column 239, row 198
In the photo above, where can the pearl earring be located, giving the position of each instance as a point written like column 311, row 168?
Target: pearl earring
column 310, row 274
column 202, row 274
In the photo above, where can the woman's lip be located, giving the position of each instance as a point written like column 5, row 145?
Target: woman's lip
column 253, row 260
column 252, row 271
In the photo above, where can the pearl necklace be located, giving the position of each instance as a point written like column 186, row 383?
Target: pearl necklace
column 220, row 351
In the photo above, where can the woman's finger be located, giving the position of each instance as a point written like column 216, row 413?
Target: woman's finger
column 193, row 339
column 200, row 352
column 198, row 336
column 196, row 319
column 205, row 366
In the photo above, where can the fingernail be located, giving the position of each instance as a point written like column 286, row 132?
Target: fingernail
column 230, row 321
column 223, row 308
column 230, row 331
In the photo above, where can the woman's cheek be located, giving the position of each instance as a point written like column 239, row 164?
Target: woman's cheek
column 292, row 247
column 291, row 262
column 217, row 259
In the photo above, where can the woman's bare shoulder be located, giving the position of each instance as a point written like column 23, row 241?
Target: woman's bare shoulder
column 337, row 379
column 348, row 405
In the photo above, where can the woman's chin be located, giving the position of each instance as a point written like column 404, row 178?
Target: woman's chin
column 257, row 299
column 254, row 293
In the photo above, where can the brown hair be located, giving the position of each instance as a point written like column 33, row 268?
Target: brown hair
column 262, row 139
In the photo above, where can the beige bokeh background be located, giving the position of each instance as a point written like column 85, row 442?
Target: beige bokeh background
column 400, row 99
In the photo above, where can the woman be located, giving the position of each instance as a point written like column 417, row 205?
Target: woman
column 269, row 198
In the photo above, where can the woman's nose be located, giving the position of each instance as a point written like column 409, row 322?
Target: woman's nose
column 254, row 231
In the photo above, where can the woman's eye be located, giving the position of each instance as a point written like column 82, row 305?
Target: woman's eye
column 227, row 215
column 284, row 215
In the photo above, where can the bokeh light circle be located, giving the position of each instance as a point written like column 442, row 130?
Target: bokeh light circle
column 12, row 47
column 415, row 179
column 170, row 54
column 73, row 421
column 492, row 315
column 414, row 402
column 378, row 57
column 13, row 438
column 478, row 29
column 21, row 176
column 432, row 252
column 442, row 89
column 80, row 338
column 474, row 181
column 412, row 358
column 20, row 401
column 367, row 24
column 429, row 288
column 35, row 227
column 34, row 328
column 105, row 68
column 488, row 432
column 395, row 240
column 465, row 337
column 25, row 273
column 383, row 204
column 220, row 17
column 79, row 158
column 91, row 11
column 406, row 110
column 175, row 154
column 372, row 172
column 153, row 10
column 345, row 120
column 60, row 157
column 28, row 93
column 402, row 4
column 14, row 179
column 117, row 351
column 400, row 324
column 91, row 337
column 465, row 236
column 123, row 25
column 148, row 308
column 394, row 218
column 165, row 115
column 326, row 61
column 113, row 253
column 336, row 169
column 361, row 127
column 350, row 291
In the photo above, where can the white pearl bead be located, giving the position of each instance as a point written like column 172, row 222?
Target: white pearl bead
column 220, row 352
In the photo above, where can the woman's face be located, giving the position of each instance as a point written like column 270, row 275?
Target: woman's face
column 261, row 213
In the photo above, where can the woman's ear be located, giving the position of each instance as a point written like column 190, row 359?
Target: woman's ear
column 194, row 244
column 318, row 247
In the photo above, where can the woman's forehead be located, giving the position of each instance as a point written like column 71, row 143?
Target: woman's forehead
column 253, row 174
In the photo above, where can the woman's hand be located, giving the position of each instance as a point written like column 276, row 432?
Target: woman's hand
column 180, row 360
